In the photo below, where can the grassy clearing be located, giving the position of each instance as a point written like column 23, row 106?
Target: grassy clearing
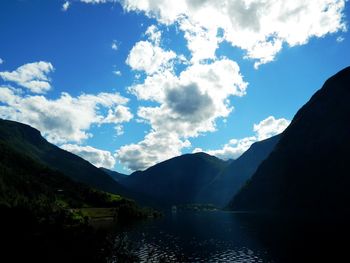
column 114, row 197
column 98, row 212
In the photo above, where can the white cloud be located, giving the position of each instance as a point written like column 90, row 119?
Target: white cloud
column 156, row 147
column 115, row 45
column 261, row 28
column 117, row 73
column 148, row 57
column 97, row 157
column 197, row 150
column 65, row 6
column 98, row 1
column 118, row 114
column 119, row 129
column 340, row 39
column 270, row 127
column 33, row 76
column 188, row 105
column 1, row 61
column 154, row 34
column 233, row 149
column 202, row 42
column 66, row 119
column 263, row 130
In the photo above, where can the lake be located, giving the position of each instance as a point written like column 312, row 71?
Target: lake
column 188, row 236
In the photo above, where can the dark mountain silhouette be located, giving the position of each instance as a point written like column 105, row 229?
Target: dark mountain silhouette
column 199, row 177
column 115, row 175
column 178, row 180
column 28, row 141
column 308, row 171
column 30, row 184
column 42, row 210
column 227, row 183
column 300, row 193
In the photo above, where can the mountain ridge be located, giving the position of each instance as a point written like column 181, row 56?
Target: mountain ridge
column 199, row 177
column 228, row 182
column 29, row 141
column 307, row 170
column 185, row 175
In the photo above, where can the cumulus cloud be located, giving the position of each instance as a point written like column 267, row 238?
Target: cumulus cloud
column 65, row 6
column 261, row 28
column 33, row 76
column 270, row 127
column 263, row 130
column 154, row 34
column 202, row 42
column 191, row 102
column 67, row 118
column 233, row 149
column 188, row 105
column 97, row 157
column 148, row 56
column 1, row 61
column 145, row 56
column 118, row 114
column 156, row 147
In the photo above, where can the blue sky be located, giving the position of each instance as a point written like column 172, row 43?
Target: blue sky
column 146, row 82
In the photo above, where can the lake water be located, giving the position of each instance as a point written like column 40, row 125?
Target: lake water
column 187, row 236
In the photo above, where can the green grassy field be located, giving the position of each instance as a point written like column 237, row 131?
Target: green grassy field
column 98, row 212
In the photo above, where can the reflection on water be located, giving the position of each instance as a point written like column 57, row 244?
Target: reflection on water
column 197, row 237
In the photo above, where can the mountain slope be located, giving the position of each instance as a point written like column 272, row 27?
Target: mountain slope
column 27, row 140
column 27, row 183
column 115, row 175
column 309, row 170
column 178, row 180
column 44, row 213
column 234, row 176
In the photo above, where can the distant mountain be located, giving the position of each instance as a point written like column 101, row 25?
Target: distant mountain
column 115, row 175
column 178, row 180
column 227, row 183
column 28, row 141
column 199, row 177
column 308, row 172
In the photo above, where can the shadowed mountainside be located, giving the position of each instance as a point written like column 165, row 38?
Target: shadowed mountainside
column 177, row 180
column 44, row 214
column 27, row 140
column 115, row 175
column 199, row 177
column 228, row 182
column 308, row 171
column 301, row 191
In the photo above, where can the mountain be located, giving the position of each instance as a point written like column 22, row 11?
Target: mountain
column 227, row 183
column 44, row 214
column 199, row 177
column 28, row 183
column 308, row 171
column 178, row 180
column 115, row 175
column 27, row 140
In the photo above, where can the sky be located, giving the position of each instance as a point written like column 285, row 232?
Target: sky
column 127, row 84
